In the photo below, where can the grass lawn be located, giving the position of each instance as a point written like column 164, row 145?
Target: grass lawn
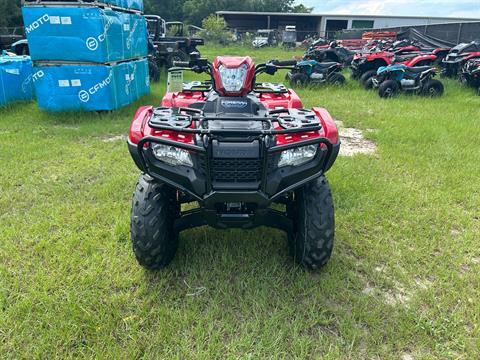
column 403, row 280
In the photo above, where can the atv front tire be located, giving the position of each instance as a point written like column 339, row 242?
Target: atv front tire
column 388, row 89
column 337, row 79
column 299, row 79
column 311, row 242
column 433, row 88
column 367, row 79
column 153, row 71
column 154, row 209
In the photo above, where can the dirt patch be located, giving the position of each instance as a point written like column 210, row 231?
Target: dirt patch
column 112, row 138
column 353, row 142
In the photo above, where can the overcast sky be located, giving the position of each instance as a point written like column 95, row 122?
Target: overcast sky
column 447, row 8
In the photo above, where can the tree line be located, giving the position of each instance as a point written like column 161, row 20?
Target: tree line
column 189, row 11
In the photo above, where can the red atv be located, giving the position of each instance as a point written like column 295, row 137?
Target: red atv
column 365, row 66
column 235, row 147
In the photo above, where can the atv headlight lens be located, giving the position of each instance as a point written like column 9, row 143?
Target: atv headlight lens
column 233, row 78
column 172, row 155
column 297, row 156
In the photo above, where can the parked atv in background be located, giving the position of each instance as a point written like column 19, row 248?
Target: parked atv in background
column 470, row 74
column 365, row 66
column 168, row 49
column 390, row 80
column 234, row 147
column 333, row 53
column 313, row 72
column 20, row 47
column 264, row 38
column 458, row 56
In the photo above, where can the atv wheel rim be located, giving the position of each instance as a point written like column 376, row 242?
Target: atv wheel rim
column 432, row 91
column 389, row 92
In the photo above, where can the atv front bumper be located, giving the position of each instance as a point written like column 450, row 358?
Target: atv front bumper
column 198, row 181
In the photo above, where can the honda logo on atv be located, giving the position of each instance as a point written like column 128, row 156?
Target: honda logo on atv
column 236, row 104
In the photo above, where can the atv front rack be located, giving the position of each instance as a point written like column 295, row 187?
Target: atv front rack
column 198, row 182
column 260, row 88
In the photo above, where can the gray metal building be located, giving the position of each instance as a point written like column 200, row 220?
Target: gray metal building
column 325, row 25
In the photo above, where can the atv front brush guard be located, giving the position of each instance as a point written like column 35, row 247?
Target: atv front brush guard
column 180, row 177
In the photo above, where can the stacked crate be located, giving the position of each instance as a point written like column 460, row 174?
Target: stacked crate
column 15, row 78
column 87, row 55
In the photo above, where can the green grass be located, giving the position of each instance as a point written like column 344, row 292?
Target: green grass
column 403, row 279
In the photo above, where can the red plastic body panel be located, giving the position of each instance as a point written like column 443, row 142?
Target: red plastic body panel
column 407, row 49
column 140, row 128
column 389, row 57
column 288, row 100
column 233, row 62
column 182, row 99
column 269, row 100
column 136, row 132
column 329, row 130
column 472, row 55
column 420, row 58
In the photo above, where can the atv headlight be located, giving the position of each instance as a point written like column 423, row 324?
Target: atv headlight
column 233, row 78
column 172, row 155
column 297, row 156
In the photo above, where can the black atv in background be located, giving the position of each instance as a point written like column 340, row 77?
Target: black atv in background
column 458, row 56
column 333, row 53
column 470, row 74
column 163, row 50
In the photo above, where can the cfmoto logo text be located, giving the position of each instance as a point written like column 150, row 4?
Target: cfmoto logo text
column 36, row 24
column 84, row 96
column 92, row 44
column 39, row 74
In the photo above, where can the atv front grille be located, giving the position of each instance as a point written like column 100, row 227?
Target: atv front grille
column 234, row 170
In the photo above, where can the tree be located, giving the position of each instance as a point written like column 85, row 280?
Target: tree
column 11, row 14
column 215, row 29
column 301, row 9
column 170, row 10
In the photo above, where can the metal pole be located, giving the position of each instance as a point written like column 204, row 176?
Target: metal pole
column 459, row 32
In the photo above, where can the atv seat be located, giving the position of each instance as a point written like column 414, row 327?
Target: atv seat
column 418, row 69
column 405, row 57
column 326, row 65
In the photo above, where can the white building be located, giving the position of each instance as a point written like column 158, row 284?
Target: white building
column 325, row 24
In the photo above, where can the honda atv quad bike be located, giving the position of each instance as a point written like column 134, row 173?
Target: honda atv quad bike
column 313, row 72
column 390, row 80
column 365, row 66
column 470, row 74
column 234, row 147
column 458, row 56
